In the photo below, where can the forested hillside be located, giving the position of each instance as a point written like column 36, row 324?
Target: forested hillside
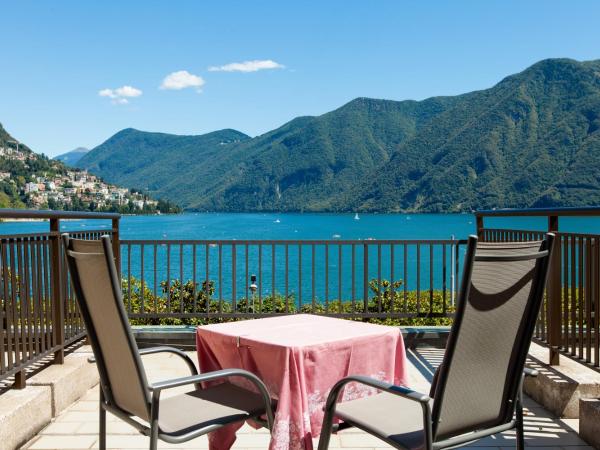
column 531, row 140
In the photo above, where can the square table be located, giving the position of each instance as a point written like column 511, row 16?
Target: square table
column 300, row 357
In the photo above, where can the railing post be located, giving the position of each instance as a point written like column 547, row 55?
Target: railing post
column 116, row 245
column 553, row 289
column 20, row 382
column 365, row 278
column 479, row 225
column 58, row 325
column 453, row 274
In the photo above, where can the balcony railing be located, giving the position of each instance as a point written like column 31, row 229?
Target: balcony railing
column 206, row 280
column 38, row 312
column 568, row 321
column 251, row 278
column 203, row 280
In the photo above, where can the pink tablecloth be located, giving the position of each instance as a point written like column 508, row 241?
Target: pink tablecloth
column 300, row 358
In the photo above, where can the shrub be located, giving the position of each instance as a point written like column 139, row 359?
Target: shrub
column 194, row 301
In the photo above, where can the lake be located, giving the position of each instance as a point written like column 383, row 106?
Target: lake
column 331, row 278
column 304, row 226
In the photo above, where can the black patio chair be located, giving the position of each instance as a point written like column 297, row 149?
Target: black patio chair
column 477, row 390
column 124, row 389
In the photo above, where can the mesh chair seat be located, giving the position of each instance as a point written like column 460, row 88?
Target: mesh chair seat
column 221, row 404
column 388, row 416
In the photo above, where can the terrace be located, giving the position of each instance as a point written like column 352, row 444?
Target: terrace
column 410, row 282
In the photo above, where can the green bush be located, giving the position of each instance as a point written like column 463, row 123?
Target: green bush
column 177, row 298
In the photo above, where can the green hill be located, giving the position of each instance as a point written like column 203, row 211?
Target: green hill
column 72, row 158
column 166, row 165
column 9, row 191
column 531, row 140
column 310, row 163
column 310, row 159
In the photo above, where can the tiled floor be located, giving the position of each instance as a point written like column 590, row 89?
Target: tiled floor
column 77, row 427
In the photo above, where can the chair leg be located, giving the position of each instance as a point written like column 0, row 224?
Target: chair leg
column 102, row 430
column 154, row 436
column 326, row 430
column 519, row 426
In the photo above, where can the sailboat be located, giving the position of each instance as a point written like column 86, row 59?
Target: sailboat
column 356, row 217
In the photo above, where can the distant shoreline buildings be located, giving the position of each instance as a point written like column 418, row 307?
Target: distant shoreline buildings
column 52, row 185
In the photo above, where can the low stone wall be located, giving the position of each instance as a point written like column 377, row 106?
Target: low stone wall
column 559, row 388
column 589, row 421
column 24, row 412
column 68, row 381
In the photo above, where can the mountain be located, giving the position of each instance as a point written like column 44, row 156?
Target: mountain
column 31, row 180
column 235, row 173
column 533, row 139
column 166, row 165
column 309, row 163
column 72, row 158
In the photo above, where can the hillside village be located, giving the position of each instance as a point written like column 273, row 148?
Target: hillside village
column 31, row 180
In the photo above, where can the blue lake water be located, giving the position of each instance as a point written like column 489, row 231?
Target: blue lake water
column 338, row 269
column 304, row 226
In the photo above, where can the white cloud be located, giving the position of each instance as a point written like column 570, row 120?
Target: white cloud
column 120, row 96
column 248, row 66
column 107, row 93
column 128, row 91
column 182, row 80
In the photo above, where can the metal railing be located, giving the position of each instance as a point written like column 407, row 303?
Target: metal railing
column 231, row 279
column 250, row 278
column 38, row 310
column 568, row 321
column 205, row 279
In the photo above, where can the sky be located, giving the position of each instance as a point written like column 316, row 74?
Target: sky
column 74, row 73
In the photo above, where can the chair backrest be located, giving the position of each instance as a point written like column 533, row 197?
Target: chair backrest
column 98, row 291
column 501, row 294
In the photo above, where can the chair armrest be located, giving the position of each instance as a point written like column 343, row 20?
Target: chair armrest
column 158, row 387
column 377, row 384
column 176, row 351
column 163, row 349
column 530, row 372
column 423, row 399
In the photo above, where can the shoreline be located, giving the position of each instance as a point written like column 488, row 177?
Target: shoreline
column 23, row 220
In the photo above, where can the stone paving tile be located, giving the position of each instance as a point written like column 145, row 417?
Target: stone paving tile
column 129, row 442
column 252, row 440
column 572, row 424
column 119, row 427
column 63, row 442
column 91, row 395
column 77, row 427
column 84, row 406
column 360, row 440
column 62, row 428
column 364, row 448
